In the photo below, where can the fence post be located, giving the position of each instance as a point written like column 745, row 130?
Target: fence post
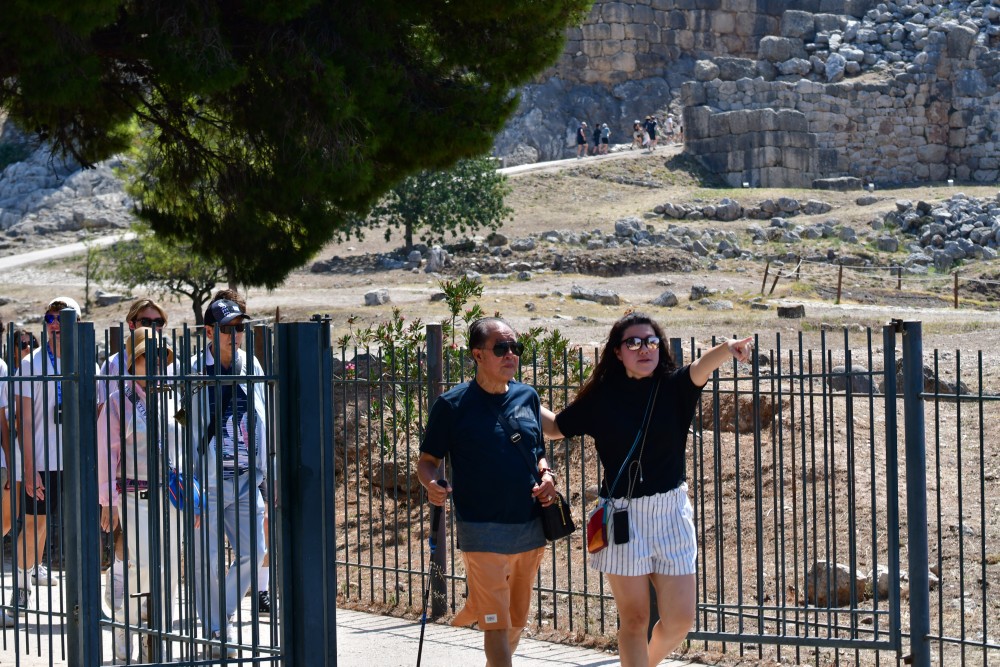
column 83, row 546
column 840, row 282
column 306, row 511
column 916, row 494
column 435, row 377
column 767, row 269
column 891, row 393
column 955, row 289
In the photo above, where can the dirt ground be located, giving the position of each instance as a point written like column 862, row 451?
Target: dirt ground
column 590, row 194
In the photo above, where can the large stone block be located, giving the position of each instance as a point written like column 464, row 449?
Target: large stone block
column 592, row 47
column 642, row 14
column 610, row 47
column 705, row 70
column 623, row 62
column 596, row 31
column 677, row 21
column 718, row 125
column 696, row 122
column 799, row 159
column 732, row 69
column 692, row 93
column 932, row 153
column 617, row 31
column 616, row 12
column 723, row 23
column 790, row 120
column 798, row 25
column 738, row 121
column 960, row 41
column 780, row 49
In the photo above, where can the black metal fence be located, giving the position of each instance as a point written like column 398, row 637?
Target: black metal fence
column 806, row 469
column 139, row 449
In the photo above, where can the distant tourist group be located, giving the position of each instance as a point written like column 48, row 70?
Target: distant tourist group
column 645, row 135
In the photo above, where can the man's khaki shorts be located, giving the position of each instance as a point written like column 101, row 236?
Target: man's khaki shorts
column 499, row 588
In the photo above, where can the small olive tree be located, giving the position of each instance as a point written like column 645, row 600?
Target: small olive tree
column 436, row 204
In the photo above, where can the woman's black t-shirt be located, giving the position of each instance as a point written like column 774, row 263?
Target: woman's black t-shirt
column 612, row 415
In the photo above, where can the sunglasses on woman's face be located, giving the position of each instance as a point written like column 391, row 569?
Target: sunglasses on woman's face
column 25, row 344
column 501, row 349
column 633, row 343
column 156, row 323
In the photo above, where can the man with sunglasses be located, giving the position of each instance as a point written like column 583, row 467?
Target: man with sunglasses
column 490, row 428
column 39, row 432
column 229, row 424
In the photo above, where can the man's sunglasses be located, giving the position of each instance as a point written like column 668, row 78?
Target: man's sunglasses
column 633, row 343
column 501, row 349
column 156, row 323
column 231, row 329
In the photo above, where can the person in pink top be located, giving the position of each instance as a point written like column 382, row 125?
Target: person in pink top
column 129, row 443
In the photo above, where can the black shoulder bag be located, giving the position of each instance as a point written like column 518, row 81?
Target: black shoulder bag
column 557, row 522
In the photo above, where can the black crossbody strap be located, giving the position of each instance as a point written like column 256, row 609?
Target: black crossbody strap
column 515, row 439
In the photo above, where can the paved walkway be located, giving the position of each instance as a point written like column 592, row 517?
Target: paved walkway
column 367, row 640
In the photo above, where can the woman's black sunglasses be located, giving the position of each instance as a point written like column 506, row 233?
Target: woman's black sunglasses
column 155, row 323
column 633, row 343
column 501, row 349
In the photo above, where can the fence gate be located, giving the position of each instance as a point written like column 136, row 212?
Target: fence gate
column 70, row 622
column 780, row 567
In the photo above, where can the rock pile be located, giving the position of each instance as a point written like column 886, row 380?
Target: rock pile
column 727, row 209
column 898, row 37
column 957, row 229
column 44, row 194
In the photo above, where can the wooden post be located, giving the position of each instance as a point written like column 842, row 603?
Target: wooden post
column 899, row 278
column 955, row 289
column 840, row 282
column 798, row 271
column 767, row 267
column 775, row 281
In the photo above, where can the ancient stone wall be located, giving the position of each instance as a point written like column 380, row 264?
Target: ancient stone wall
column 628, row 41
column 940, row 119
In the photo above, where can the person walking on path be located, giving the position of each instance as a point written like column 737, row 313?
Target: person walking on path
column 495, row 496
column 39, row 411
column 597, row 139
column 581, row 140
column 637, row 405
column 651, row 127
column 128, row 445
column 605, row 138
column 229, row 419
column 636, row 135
column 142, row 313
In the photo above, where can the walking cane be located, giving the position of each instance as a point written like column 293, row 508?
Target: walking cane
column 432, row 541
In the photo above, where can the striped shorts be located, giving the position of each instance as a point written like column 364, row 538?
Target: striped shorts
column 662, row 538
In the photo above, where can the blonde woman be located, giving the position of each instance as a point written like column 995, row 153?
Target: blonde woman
column 130, row 444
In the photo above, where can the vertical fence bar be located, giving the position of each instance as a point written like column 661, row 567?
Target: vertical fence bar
column 82, row 540
column 916, row 494
column 892, row 480
column 306, row 511
column 435, row 376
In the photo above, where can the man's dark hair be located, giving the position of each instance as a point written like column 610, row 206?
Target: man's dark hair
column 479, row 331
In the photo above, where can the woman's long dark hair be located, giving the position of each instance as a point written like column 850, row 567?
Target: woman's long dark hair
column 610, row 366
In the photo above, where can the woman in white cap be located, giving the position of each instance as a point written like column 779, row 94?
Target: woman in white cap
column 137, row 451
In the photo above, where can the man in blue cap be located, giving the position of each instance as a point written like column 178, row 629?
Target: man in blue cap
column 229, row 426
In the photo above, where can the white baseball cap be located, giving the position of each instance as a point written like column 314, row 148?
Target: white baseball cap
column 68, row 302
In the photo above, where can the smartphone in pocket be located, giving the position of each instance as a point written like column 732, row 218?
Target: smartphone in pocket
column 619, row 522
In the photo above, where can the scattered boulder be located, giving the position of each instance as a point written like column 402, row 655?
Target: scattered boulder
column 667, row 300
column 859, row 378
column 831, row 584
column 794, row 311
column 602, row 296
column 377, row 297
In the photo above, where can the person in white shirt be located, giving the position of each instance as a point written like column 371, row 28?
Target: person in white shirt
column 39, row 431
column 129, row 443
column 142, row 313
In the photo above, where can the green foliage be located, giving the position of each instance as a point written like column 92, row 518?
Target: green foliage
column 437, row 204
column 13, row 152
column 269, row 125
column 164, row 267
column 456, row 294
